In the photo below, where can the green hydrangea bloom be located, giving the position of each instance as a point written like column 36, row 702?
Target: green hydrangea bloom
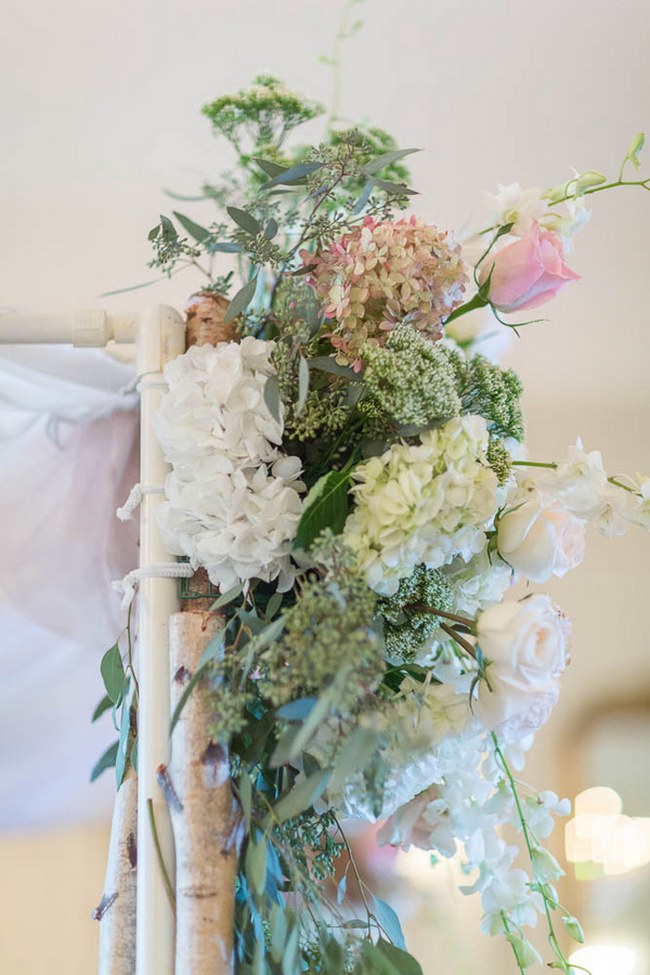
column 410, row 379
column 406, row 630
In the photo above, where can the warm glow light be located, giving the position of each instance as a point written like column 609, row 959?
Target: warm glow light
column 608, row 960
column 600, row 834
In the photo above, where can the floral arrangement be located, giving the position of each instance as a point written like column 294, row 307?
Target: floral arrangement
column 350, row 471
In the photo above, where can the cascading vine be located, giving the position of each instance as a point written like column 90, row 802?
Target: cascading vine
column 349, row 472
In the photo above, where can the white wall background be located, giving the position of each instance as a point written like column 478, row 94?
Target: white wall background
column 100, row 110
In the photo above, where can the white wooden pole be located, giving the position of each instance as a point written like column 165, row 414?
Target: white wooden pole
column 89, row 328
column 161, row 337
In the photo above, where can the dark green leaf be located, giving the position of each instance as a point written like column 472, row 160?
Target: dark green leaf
column 326, row 506
column 104, row 705
column 226, row 597
column 327, row 363
column 402, row 962
column 271, row 229
column 272, row 397
column 303, row 795
column 245, row 220
column 246, row 796
column 167, row 227
column 195, row 230
column 389, row 922
column 297, row 710
column 375, row 962
column 273, row 605
column 106, row 761
column 293, row 175
column 241, row 301
column 303, row 384
column 270, row 168
column 364, row 196
column 112, row 671
column 395, row 189
column 386, row 159
column 186, row 199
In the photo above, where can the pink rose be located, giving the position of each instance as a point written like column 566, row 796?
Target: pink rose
column 527, row 272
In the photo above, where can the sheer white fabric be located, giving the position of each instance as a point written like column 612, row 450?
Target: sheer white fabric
column 68, row 457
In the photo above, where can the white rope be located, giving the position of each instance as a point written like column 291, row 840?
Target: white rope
column 136, row 494
column 165, row 570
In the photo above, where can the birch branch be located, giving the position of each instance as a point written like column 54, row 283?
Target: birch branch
column 116, row 911
column 204, row 813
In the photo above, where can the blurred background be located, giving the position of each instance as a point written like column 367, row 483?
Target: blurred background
column 100, row 112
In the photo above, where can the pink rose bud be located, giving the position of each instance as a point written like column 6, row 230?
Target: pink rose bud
column 527, row 272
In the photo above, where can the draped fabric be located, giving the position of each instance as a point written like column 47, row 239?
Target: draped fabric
column 68, row 457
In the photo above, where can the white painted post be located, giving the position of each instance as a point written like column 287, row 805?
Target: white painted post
column 161, row 337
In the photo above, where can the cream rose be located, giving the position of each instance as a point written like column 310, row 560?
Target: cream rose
column 526, row 646
column 540, row 540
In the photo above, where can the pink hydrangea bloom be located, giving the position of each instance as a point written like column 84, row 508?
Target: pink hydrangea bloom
column 383, row 273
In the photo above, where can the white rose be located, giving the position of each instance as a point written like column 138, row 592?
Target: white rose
column 526, row 644
column 540, row 540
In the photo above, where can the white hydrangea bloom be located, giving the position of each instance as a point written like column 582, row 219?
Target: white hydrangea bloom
column 232, row 499
column 479, row 583
column 424, row 503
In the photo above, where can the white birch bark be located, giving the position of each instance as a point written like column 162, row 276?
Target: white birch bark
column 116, row 911
column 203, row 810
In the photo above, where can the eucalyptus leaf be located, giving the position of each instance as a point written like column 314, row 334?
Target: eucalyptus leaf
column 290, row 953
column 112, row 671
column 271, row 229
column 389, row 922
column 272, row 397
column 363, row 197
column 273, row 605
column 326, row 506
column 241, row 300
column 403, row 963
column 328, row 364
column 245, row 220
column 278, row 933
column 355, row 754
column 167, row 227
column 246, row 796
column 297, row 710
column 255, row 865
column 293, row 741
column 195, row 230
column 395, row 189
column 293, row 175
column 270, row 168
column 132, row 287
column 226, row 598
column 303, row 385
column 224, row 247
column 104, row 705
column 303, row 795
column 214, row 648
column 106, row 761
column 386, row 159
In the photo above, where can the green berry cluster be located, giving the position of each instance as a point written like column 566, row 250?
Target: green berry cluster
column 406, row 629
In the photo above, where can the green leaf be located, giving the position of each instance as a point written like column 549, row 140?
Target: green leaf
column 375, row 962
column 226, row 597
column 112, row 671
column 106, row 761
column 133, row 756
column 104, row 705
column 293, row 741
column 389, row 922
column 355, row 754
column 272, row 397
column 395, row 189
column 326, row 506
column 244, row 220
column 270, row 168
column 402, row 962
column 386, row 159
column 195, row 230
column 303, row 384
column 290, row 953
column 278, row 933
column 363, row 197
column 303, row 795
column 271, row 229
column 266, row 635
column 241, row 300
column 214, row 648
column 132, row 287
column 255, row 865
column 635, row 149
column 326, row 363
column 224, row 247
column 297, row 710
column 167, row 227
column 293, row 175
column 273, row 605
column 246, row 796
